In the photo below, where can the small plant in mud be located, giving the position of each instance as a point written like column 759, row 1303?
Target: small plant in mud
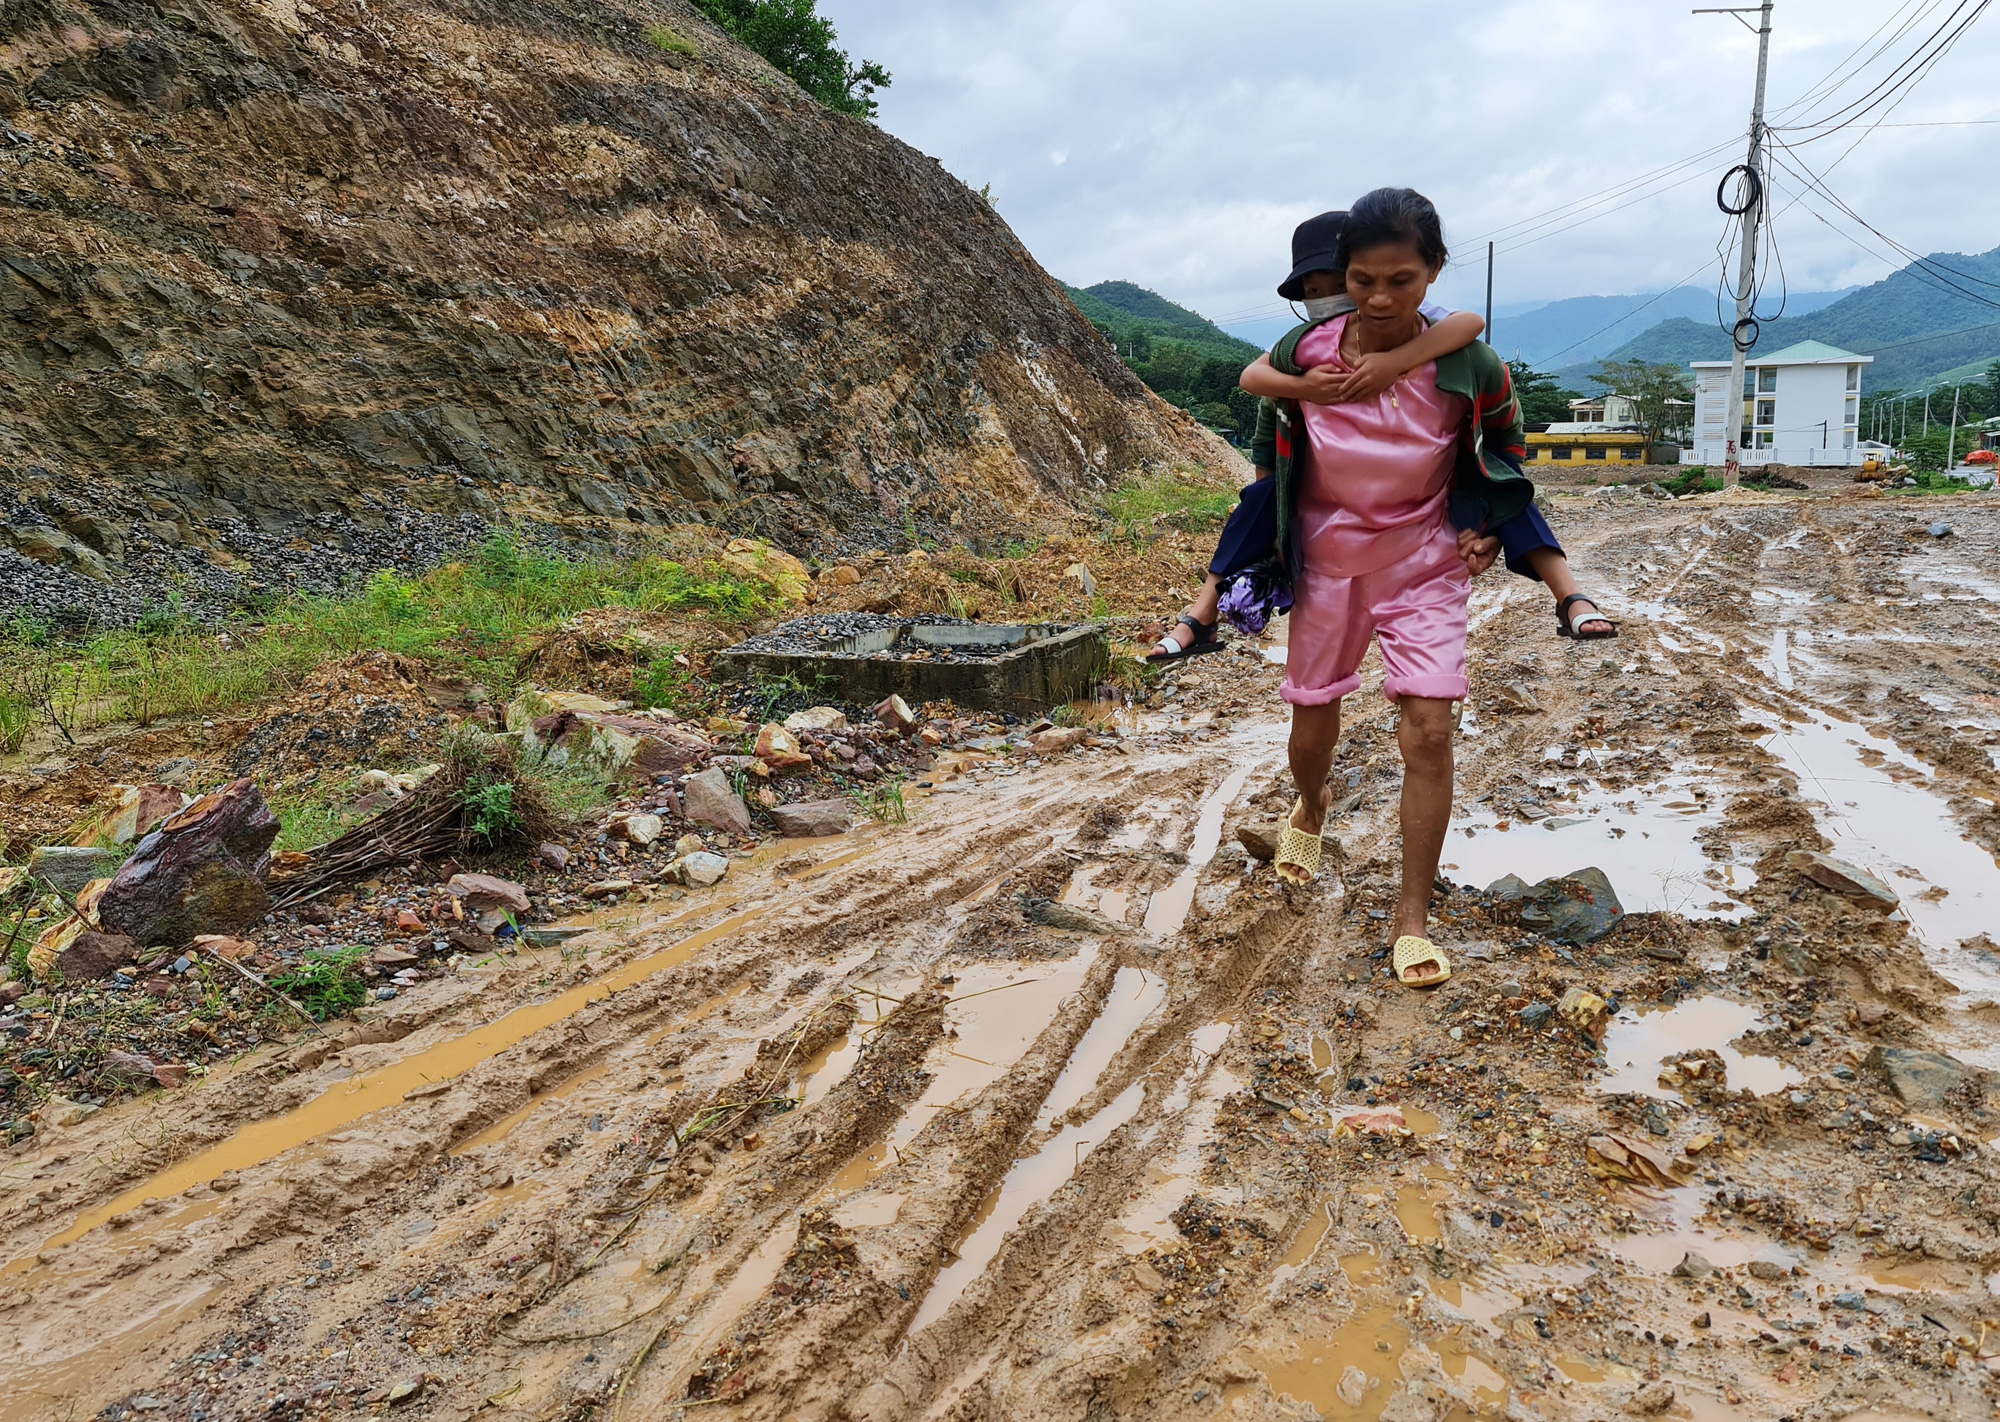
column 884, row 802
column 667, row 683
column 17, row 718
column 327, row 983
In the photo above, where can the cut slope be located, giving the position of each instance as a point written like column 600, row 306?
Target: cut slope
column 262, row 260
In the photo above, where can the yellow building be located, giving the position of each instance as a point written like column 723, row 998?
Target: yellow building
column 1587, row 444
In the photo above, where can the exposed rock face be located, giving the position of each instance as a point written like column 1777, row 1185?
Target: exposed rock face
column 370, row 275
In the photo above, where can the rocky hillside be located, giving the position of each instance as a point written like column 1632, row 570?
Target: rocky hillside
column 288, row 289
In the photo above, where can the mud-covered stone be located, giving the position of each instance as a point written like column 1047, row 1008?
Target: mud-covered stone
column 1259, row 838
column 1842, row 877
column 200, row 872
column 812, row 819
column 1924, row 1079
column 1575, row 908
column 490, row 900
column 816, row 718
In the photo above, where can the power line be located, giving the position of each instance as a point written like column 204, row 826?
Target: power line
column 1911, row 70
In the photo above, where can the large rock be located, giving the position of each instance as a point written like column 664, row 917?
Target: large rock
column 1575, row 908
column 1922, row 1080
column 813, row 819
column 489, row 900
column 137, row 812
column 200, row 872
column 711, row 800
column 92, row 955
column 1842, row 877
column 71, row 867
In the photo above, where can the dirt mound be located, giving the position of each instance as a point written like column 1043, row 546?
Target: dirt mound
column 593, row 266
column 366, row 708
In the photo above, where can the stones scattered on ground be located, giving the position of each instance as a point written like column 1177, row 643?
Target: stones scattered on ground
column 488, row 900
column 1842, row 877
column 608, row 889
column 1516, row 696
column 200, row 872
column 70, row 867
column 1767, row 1270
column 709, row 799
column 812, row 819
column 1620, row 1157
column 1924, row 1080
column 553, row 856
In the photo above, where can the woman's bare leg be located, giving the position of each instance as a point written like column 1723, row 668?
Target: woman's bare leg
column 1315, row 737
column 1425, row 738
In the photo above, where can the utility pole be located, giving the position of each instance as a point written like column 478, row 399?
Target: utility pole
column 1753, row 219
column 1927, row 413
column 1951, row 453
column 1489, row 293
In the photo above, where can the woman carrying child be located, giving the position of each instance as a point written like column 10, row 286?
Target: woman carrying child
column 1383, row 508
column 1530, row 545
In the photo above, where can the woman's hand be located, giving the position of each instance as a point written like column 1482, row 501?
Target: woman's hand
column 1478, row 551
column 1369, row 376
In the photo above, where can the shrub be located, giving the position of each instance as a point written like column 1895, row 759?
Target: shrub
column 327, row 983
column 660, row 37
column 797, row 39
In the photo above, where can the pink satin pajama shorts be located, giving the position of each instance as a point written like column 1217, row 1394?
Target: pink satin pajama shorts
column 1416, row 607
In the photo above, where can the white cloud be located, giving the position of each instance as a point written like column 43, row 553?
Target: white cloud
column 1184, row 140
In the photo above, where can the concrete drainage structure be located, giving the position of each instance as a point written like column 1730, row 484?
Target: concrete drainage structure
column 859, row 658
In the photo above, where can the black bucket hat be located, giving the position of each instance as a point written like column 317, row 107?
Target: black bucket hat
column 1315, row 248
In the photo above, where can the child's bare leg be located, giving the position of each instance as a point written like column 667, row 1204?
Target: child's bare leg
column 1425, row 739
column 1315, row 737
column 1202, row 610
column 1553, row 569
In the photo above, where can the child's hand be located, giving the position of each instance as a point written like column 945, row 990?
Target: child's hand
column 1478, row 551
column 1323, row 384
column 1370, row 375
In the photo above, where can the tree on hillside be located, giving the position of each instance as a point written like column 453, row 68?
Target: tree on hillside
column 1653, row 391
column 1543, row 402
column 796, row 38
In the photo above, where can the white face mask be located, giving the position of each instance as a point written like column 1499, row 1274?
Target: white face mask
column 1321, row 308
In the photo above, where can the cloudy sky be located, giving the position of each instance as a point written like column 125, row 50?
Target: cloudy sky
column 1176, row 142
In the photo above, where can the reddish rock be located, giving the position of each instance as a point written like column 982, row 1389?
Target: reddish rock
column 94, row 955
column 202, row 871
column 127, row 1069
column 11, row 993
column 489, row 900
column 894, row 713
column 813, row 819
column 780, row 749
column 408, row 922
column 223, row 946
column 170, row 1074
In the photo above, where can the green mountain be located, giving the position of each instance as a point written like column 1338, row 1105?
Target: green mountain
column 1185, row 358
column 1911, row 321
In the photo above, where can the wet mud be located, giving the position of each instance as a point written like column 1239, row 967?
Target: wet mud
column 1054, row 1104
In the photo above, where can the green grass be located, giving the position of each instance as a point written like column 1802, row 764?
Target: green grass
column 17, row 718
column 1170, row 499
column 1694, row 480
column 660, row 37
column 309, row 820
column 328, row 983
column 475, row 616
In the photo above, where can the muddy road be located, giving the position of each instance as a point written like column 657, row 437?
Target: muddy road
column 1033, row 1107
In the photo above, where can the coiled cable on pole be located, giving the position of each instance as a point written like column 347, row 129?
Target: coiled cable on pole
column 1755, row 185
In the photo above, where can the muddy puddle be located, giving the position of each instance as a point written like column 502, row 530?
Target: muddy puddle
column 1175, row 1144
column 1135, row 995
column 1647, row 842
column 348, row 1101
column 1636, row 1045
column 1351, row 1369
column 1875, row 804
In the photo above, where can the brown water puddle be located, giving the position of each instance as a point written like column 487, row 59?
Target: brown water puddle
column 1637, row 1044
column 1350, row 1370
column 996, row 1012
column 1305, row 1244
column 1148, row 1222
column 1135, row 995
column 1113, row 904
column 1167, row 910
column 52, row 1389
column 348, row 1101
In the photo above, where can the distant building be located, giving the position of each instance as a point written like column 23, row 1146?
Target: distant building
column 1800, row 405
column 1604, row 410
column 1587, row 442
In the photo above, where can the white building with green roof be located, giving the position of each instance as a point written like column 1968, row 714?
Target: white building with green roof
column 1800, row 405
